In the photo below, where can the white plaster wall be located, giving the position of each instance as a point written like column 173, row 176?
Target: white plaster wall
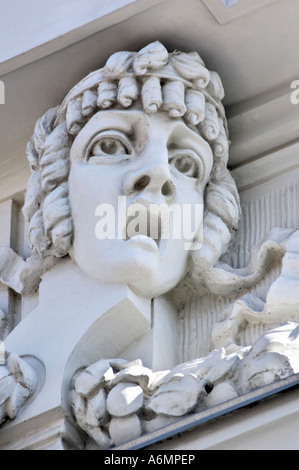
column 265, row 206
column 37, row 23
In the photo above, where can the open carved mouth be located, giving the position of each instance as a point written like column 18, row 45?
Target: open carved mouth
column 146, row 225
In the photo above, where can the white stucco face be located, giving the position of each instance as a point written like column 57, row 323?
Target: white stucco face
column 148, row 159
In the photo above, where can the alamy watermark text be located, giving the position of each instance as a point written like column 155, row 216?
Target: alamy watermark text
column 158, row 221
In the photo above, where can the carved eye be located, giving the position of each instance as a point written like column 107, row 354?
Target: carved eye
column 188, row 164
column 109, row 145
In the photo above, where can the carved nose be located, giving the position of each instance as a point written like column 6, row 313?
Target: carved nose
column 142, row 183
column 156, row 182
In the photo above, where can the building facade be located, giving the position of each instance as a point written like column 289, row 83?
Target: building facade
column 108, row 350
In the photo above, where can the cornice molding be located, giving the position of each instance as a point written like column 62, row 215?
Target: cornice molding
column 230, row 10
column 81, row 20
column 262, row 126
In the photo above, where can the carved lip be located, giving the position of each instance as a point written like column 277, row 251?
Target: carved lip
column 144, row 242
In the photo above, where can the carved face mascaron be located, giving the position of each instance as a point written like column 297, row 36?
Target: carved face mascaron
column 149, row 159
column 148, row 127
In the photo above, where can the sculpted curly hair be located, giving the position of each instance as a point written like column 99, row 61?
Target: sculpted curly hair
column 177, row 83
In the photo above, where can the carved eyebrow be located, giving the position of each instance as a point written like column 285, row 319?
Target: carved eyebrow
column 182, row 136
column 117, row 120
column 104, row 121
column 117, row 125
column 134, row 128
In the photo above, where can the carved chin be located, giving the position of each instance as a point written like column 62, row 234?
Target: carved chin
column 149, row 287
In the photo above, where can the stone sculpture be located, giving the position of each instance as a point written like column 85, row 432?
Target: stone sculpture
column 148, row 126
column 116, row 401
column 191, row 95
